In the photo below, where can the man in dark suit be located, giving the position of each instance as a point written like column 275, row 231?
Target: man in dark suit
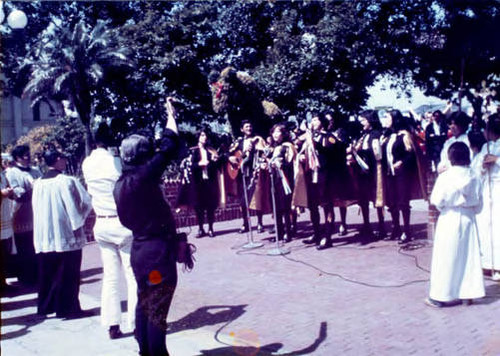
column 436, row 134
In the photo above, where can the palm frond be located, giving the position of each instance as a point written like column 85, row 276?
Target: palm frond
column 60, row 81
column 95, row 72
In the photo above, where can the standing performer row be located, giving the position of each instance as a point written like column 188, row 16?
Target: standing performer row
column 320, row 166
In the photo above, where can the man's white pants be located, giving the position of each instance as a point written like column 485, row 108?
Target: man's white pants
column 115, row 242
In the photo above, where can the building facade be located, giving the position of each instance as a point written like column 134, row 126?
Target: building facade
column 17, row 116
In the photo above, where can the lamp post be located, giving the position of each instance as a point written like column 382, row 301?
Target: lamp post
column 17, row 19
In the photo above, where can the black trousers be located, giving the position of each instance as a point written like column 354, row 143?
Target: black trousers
column 5, row 268
column 26, row 263
column 155, row 271
column 59, row 283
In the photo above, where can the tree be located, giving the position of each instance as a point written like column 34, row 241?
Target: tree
column 72, row 62
column 303, row 55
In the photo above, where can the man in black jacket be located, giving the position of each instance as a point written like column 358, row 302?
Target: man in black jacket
column 436, row 134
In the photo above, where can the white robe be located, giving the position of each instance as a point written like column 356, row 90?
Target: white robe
column 444, row 162
column 60, row 206
column 456, row 263
column 488, row 219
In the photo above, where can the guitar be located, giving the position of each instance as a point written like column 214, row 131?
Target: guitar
column 233, row 168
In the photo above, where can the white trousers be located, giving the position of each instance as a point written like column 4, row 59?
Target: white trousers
column 115, row 242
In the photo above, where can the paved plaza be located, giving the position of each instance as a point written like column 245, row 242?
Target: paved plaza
column 350, row 299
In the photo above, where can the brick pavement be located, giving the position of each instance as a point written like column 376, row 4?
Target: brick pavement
column 346, row 300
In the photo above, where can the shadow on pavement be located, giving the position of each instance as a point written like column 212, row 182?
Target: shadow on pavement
column 269, row 349
column 492, row 294
column 26, row 321
column 90, row 281
column 90, row 272
column 209, row 315
column 18, row 304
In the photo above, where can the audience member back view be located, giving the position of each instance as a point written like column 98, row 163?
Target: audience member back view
column 101, row 169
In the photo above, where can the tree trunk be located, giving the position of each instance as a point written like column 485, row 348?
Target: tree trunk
column 88, row 139
column 83, row 110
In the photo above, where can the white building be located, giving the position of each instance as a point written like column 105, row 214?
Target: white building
column 17, row 116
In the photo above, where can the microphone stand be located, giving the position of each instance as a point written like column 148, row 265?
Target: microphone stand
column 250, row 242
column 278, row 250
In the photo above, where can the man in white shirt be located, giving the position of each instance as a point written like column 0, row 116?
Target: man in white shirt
column 101, row 169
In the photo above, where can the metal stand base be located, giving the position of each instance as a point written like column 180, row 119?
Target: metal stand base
column 251, row 244
column 277, row 251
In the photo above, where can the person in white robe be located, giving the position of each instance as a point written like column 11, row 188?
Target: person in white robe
column 61, row 205
column 456, row 263
column 101, row 169
column 459, row 123
column 487, row 166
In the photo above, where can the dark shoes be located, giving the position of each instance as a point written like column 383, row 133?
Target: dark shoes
column 211, row 233
column 260, row 229
column 433, row 303
column 244, row 229
column 287, row 237
column 201, row 233
column 311, row 240
column 395, row 234
column 404, row 239
column 114, row 332
column 79, row 314
column 324, row 244
column 379, row 235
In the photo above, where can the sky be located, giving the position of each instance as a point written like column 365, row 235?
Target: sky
column 382, row 95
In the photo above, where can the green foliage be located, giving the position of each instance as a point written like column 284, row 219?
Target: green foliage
column 303, row 55
column 73, row 61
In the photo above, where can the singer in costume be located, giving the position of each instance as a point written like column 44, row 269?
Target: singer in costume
column 339, row 182
column 200, row 189
column 402, row 169
column 365, row 155
column 243, row 158
column 277, row 160
column 311, row 176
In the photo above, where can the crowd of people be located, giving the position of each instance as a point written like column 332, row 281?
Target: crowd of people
column 324, row 163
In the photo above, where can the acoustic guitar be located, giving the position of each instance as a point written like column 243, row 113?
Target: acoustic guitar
column 234, row 168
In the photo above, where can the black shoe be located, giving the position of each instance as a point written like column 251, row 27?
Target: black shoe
column 342, row 230
column 260, row 228
column 243, row 230
column 311, row 240
column 379, row 235
column 201, row 233
column 115, row 332
column 395, row 234
column 79, row 314
column 324, row 243
column 287, row 238
column 211, row 233
column 433, row 303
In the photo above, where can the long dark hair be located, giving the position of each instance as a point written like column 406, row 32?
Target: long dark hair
column 372, row 117
column 284, row 131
